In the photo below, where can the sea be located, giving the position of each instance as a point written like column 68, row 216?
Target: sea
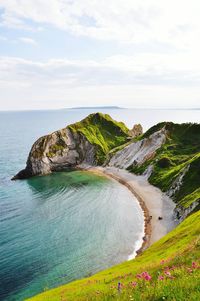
column 67, row 225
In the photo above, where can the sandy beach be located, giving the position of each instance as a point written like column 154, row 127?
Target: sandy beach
column 153, row 202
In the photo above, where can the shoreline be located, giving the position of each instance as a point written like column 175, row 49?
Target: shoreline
column 147, row 220
column 151, row 213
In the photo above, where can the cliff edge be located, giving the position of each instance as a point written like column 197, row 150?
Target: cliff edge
column 85, row 142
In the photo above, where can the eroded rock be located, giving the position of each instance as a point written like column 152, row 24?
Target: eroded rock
column 136, row 153
column 136, row 131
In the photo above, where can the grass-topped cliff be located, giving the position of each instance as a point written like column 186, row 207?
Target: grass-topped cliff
column 168, row 270
column 103, row 132
column 86, row 142
column 176, row 164
column 170, row 154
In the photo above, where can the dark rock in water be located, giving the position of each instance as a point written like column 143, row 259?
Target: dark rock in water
column 23, row 174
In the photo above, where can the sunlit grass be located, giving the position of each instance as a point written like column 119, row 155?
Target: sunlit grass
column 168, row 270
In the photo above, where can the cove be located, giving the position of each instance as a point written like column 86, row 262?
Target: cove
column 62, row 227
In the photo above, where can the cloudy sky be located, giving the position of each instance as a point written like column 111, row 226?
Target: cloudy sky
column 130, row 53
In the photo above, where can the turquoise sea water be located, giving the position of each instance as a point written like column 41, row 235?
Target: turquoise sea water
column 64, row 226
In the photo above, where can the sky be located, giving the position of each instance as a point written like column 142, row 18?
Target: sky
column 128, row 53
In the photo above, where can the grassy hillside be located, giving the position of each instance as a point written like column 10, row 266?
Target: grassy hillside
column 179, row 155
column 168, row 270
column 103, row 132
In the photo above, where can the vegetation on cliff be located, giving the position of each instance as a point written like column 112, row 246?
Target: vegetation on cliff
column 103, row 132
column 86, row 142
column 176, row 165
column 168, row 270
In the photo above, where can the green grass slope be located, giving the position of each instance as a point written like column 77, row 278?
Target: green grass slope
column 103, row 132
column 179, row 154
column 168, row 270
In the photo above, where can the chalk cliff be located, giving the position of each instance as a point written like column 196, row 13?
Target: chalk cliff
column 167, row 154
column 85, row 142
column 137, row 152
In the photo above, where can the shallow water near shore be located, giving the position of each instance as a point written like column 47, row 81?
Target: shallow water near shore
column 64, row 226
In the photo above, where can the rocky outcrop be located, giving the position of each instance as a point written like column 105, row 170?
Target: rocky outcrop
column 180, row 212
column 136, row 153
column 148, row 171
column 100, row 140
column 176, row 185
column 136, row 131
column 86, row 142
column 58, row 151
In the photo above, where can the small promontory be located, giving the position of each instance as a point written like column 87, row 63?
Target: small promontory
column 85, row 142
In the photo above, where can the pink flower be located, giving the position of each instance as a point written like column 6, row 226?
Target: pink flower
column 162, row 261
column 134, row 284
column 161, row 278
column 167, row 273
column 194, row 265
column 147, row 277
column 144, row 274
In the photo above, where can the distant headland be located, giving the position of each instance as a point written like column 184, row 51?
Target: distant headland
column 98, row 107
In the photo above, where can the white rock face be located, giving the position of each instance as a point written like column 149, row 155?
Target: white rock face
column 138, row 152
column 180, row 213
column 58, row 151
column 147, row 173
column 176, row 185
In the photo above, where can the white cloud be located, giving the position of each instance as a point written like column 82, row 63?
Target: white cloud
column 173, row 25
column 132, row 21
column 127, row 70
column 27, row 40
column 128, row 81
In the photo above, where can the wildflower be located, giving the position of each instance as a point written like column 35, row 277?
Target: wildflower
column 146, row 276
column 139, row 276
column 167, row 273
column 134, row 283
column 161, row 278
column 162, row 261
column 194, row 265
column 119, row 286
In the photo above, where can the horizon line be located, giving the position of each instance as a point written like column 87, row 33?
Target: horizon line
column 97, row 107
